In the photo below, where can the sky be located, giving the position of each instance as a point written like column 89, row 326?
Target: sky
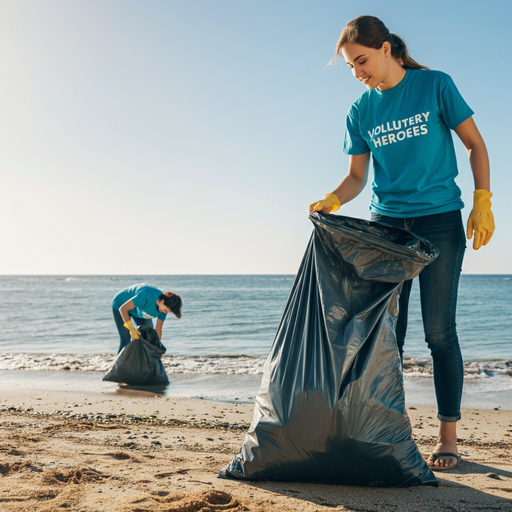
column 189, row 137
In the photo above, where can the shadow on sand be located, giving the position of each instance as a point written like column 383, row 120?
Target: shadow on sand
column 450, row 495
column 135, row 389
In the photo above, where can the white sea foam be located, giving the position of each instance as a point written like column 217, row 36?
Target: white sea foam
column 222, row 365
column 226, row 365
column 479, row 376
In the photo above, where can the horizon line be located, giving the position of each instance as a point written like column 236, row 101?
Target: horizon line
column 201, row 274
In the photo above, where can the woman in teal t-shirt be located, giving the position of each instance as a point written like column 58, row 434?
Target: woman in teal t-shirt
column 404, row 121
column 142, row 303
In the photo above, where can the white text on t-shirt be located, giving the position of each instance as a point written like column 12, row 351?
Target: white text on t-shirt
column 412, row 127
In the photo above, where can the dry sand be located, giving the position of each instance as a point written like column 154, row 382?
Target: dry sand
column 143, row 452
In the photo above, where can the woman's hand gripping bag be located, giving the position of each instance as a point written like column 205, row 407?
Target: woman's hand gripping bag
column 331, row 403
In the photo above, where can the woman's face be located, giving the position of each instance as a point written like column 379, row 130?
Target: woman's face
column 368, row 65
column 160, row 304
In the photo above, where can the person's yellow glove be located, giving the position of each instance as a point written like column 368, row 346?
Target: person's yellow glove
column 330, row 203
column 133, row 331
column 481, row 219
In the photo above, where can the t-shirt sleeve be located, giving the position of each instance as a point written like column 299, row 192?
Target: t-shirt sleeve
column 354, row 142
column 162, row 316
column 454, row 110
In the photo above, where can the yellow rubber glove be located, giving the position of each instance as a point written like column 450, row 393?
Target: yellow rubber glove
column 481, row 219
column 330, row 203
column 133, row 331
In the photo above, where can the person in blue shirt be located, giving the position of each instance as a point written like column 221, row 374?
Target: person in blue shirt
column 404, row 122
column 142, row 303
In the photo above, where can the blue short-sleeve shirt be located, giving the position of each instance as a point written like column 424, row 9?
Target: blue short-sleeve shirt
column 408, row 131
column 144, row 297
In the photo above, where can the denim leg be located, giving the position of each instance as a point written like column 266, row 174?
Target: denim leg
column 438, row 292
column 439, row 284
column 124, row 333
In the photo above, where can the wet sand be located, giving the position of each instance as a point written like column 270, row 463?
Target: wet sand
column 135, row 451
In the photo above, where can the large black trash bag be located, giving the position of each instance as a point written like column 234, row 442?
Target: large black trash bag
column 331, row 403
column 139, row 362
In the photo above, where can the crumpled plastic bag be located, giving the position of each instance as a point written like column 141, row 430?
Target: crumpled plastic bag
column 331, row 403
column 140, row 361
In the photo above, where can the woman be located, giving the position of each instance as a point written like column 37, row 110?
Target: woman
column 142, row 302
column 404, row 120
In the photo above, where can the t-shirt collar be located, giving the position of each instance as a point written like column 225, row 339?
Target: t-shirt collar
column 399, row 86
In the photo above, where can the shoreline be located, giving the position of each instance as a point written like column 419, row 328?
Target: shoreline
column 234, row 387
column 226, row 363
column 137, row 451
column 136, row 406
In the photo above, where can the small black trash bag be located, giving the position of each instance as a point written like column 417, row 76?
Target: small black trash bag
column 139, row 362
column 331, row 403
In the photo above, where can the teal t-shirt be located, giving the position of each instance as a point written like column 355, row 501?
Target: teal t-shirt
column 144, row 297
column 408, row 131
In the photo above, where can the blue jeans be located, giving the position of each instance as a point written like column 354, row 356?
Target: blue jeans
column 124, row 333
column 439, row 283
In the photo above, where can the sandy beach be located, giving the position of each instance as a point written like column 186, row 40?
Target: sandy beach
column 136, row 451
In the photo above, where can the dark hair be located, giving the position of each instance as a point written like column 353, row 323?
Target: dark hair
column 369, row 31
column 173, row 302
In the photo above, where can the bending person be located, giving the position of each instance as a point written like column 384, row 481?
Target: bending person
column 143, row 303
column 404, row 120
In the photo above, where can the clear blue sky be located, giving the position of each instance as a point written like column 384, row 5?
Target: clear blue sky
column 189, row 137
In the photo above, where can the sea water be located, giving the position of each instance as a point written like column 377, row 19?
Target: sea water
column 64, row 324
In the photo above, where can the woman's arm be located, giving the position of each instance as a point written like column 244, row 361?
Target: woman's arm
column 158, row 328
column 477, row 152
column 355, row 181
column 481, row 218
column 123, row 310
column 351, row 186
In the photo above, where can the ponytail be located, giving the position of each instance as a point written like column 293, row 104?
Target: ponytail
column 369, row 31
column 400, row 53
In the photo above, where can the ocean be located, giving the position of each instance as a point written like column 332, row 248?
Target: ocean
column 58, row 332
